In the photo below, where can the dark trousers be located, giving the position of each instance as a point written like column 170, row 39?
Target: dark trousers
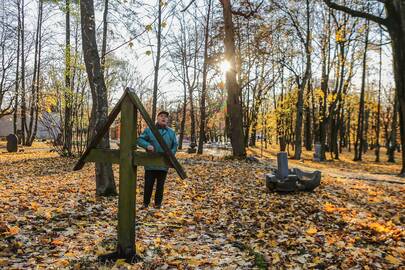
column 150, row 177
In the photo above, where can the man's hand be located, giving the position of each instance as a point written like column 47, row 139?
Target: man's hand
column 150, row 148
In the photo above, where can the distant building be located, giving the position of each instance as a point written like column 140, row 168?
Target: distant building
column 48, row 125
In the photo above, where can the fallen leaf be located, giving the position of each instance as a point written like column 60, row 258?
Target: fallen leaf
column 312, row 231
column 392, row 260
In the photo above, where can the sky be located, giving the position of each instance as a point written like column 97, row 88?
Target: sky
column 136, row 53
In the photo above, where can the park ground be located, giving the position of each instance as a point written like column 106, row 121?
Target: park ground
column 221, row 217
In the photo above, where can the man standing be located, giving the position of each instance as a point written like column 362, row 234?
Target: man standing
column 148, row 141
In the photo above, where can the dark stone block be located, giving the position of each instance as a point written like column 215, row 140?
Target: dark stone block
column 252, row 159
column 12, row 143
column 288, row 184
column 307, row 181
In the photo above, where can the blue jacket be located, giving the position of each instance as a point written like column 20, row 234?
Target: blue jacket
column 147, row 138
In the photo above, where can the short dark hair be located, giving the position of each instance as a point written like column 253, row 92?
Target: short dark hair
column 163, row 112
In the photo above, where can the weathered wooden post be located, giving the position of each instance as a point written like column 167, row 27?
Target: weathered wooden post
column 127, row 188
column 128, row 159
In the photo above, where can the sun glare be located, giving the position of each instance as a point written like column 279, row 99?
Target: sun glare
column 225, row 66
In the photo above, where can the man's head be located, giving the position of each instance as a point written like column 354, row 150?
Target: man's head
column 163, row 118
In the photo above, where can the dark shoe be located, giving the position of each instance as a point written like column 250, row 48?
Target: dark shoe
column 144, row 207
column 158, row 206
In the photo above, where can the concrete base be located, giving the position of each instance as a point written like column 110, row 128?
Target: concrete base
column 297, row 180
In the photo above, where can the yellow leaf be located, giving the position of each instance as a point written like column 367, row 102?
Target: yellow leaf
column 158, row 241
column 316, row 260
column 101, row 250
column 148, row 27
column 57, row 242
column 62, row 262
column 13, row 230
column 312, row 231
column 120, row 262
column 379, row 228
column 392, row 260
column 47, row 215
column 273, row 243
column 330, row 208
column 276, row 258
column 34, row 205
column 69, row 254
column 174, row 262
column 260, row 234
column 3, row 262
column 195, row 262
column 139, row 247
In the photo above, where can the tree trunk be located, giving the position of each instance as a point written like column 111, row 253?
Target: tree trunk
column 393, row 135
column 202, row 138
column 105, row 184
column 377, row 149
column 192, row 118
column 33, row 96
column 366, row 126
column 23, row 104
column 301, row 89
column 17, row 72
column 68, row 94
column 38, row 80
column 234, row 106
column 183, row 119
column 359, row 144
column 397, row 34
column 156, row 73
column 104, row 41
column 308, row 118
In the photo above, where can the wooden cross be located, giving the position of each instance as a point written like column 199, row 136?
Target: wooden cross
column 128, row 159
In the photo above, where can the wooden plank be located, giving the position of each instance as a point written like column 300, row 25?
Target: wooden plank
column 150, row 159
column 99, row 135
column 168, row 154
column 103, row 155
column 127, row 188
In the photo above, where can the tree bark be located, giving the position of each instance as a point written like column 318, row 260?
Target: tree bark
column 183, row 119
column 104, row 41
column 68, row 94
column 359, row 144
column 105, row 184
column 23, row 103
column 17, row 72
column 234, row 105
column 377, row 149
column 202, row 137
column 37, row 85
column 156, row 74
column 301, row 89
column 33, row 97
column 393, row 135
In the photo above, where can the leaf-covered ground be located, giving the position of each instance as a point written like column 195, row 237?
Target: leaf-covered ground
column 221, row 217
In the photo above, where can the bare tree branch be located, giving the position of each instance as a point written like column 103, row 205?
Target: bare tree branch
column 356, row 13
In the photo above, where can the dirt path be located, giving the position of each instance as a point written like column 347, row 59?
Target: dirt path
column 354, row 175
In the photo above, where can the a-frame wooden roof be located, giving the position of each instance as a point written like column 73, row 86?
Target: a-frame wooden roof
column 168, row 155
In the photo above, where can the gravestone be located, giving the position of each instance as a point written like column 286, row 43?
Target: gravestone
column 317, row 152
column 12, row 143
column 192, row 148
column 282, row 165
column 128, row 159
column 285, row 180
